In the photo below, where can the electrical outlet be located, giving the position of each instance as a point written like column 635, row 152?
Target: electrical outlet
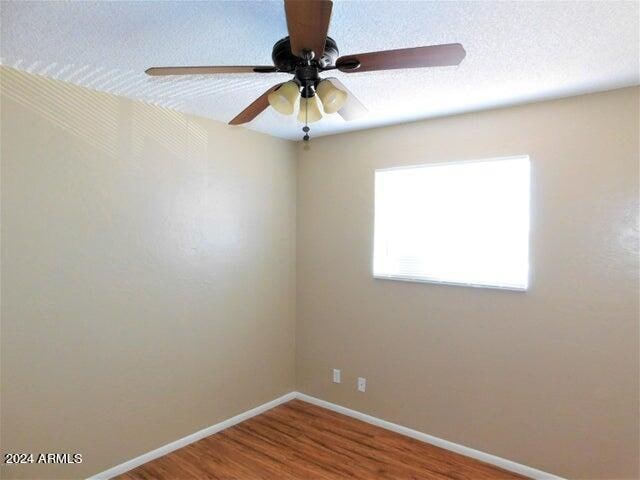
column 362, row 384
column 336, row 375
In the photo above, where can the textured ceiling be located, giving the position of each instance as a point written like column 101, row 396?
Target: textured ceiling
column 516, row 52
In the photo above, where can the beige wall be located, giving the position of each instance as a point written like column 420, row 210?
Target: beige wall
column 148, row 274
column 548, row 378
column 149, row 279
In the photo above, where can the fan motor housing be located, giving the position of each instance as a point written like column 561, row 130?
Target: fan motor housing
column 285, row 61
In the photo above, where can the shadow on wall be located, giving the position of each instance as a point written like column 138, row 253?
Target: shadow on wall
column 74, row 109
column 149, row 139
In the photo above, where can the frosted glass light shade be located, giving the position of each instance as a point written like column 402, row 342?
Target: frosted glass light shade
column 309, row 110
column 332, row 98
column 284, row 98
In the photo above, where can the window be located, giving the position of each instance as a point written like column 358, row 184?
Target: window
column 460, row 223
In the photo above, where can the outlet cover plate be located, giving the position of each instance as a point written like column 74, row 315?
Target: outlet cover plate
column 362, row 384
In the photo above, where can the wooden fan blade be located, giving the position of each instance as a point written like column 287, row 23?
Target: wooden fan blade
column 255, row 109
column 432, row 56
column 308, row 24
column 161, row 71
column 353, row 108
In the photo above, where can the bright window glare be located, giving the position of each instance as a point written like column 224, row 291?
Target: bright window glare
column 462, row 223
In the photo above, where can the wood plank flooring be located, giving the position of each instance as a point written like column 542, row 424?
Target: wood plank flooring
column 301, row 441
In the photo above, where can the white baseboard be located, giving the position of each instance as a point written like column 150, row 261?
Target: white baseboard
column 454, row 447
column 194, row 437
column 438, row 442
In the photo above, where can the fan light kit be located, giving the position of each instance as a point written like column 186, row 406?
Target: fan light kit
column 306, row 53
column 285, row 98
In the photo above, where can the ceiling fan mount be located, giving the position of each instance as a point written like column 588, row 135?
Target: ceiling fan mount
column 285, row 61
column 306, row 53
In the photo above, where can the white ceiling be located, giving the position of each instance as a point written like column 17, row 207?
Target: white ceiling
column 516, row 52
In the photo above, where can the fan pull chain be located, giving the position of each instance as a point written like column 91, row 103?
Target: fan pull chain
column 306, row 129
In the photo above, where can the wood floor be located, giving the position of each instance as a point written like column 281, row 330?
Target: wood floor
column 301, row 441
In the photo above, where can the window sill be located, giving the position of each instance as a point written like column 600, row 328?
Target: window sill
column 455, row 284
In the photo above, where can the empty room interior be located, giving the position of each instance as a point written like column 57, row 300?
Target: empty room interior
column 305, row 239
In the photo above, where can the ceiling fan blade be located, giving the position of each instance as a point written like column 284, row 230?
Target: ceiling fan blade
column 353, row 108
column 308, row 24
column 255, row 109
column 161, row 71
column 432, row 56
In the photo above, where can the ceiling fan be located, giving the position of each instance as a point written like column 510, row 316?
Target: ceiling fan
column 306, row 53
